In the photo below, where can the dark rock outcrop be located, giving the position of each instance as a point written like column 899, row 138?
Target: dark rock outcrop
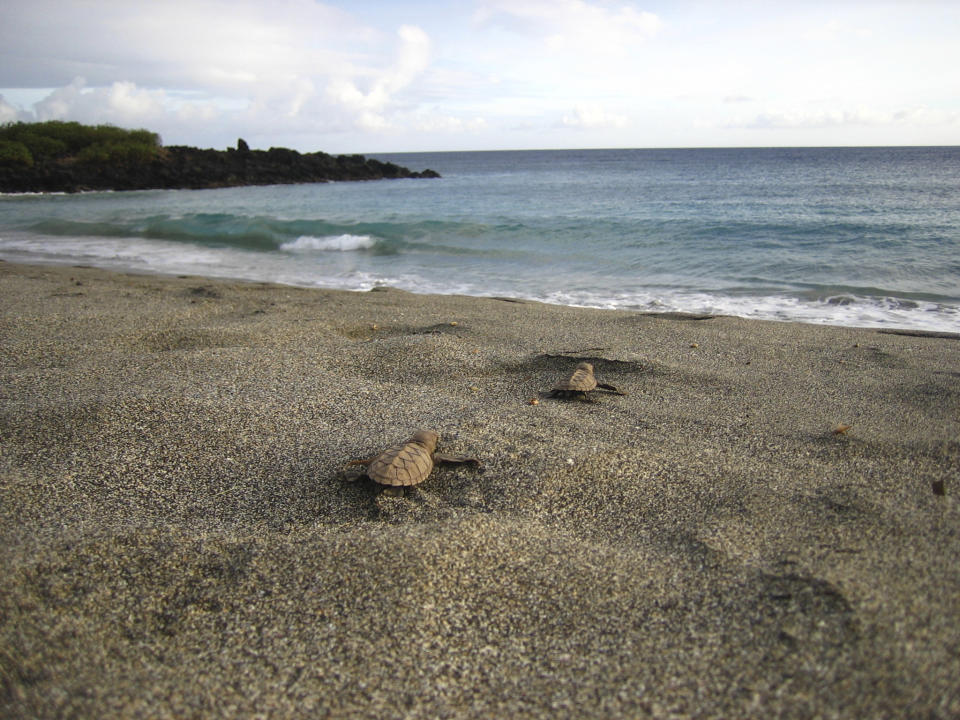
column 193, row 168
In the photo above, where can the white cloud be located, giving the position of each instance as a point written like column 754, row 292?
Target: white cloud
column 185, row 44
column 835, row 30
column 922, row 116
column 592, row 116
column 61, row 103
column 299, row 66
column 812, row 118
column 122, row 103
column 193, row 113
column 837, row 118
column 572, row 24
column 412, row 58
column 8, row 113
column 438, row 122
column 280, row 58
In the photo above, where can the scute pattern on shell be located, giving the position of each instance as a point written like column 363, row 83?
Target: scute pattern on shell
column 406, row 464
column 582, row 379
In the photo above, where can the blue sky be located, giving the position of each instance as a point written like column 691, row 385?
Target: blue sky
column 376, row 76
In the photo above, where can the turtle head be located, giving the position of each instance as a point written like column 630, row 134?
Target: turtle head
column 427, row 438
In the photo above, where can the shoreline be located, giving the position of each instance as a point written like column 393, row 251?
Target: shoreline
column 179, row 538
column 891, row 326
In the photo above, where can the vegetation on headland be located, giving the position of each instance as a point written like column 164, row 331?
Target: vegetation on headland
column 27, row 144
column 59, row 156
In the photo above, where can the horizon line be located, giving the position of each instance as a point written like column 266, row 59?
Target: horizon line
column 652, row 148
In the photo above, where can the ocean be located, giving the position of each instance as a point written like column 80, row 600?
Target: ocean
column 866, row 237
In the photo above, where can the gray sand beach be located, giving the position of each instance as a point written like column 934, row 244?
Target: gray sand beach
column 179, row 538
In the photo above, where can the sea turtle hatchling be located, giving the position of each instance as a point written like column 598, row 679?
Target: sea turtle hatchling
column 580, row 383
column 408, row 463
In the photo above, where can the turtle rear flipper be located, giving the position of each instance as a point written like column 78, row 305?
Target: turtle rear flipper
column 567, row 394
column 352, row 474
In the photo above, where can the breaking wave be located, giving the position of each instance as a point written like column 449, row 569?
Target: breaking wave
column 336, row 243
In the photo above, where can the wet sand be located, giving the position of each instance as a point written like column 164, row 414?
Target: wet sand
column 179, row 538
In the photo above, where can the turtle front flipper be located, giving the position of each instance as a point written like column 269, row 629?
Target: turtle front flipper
column 610, row 388
column 462, row 459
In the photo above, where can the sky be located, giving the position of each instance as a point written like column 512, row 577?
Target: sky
column 377, row 76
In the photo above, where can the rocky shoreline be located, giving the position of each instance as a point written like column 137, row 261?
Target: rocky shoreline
column 182, row 167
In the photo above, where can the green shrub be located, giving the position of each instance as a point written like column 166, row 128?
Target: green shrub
column 118, row 153
column 93, row 155
column 144, row 137
column 14, row 154
column 90, row 143
column 71, row 136
column 43, row 147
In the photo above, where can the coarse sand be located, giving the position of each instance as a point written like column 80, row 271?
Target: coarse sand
column 766, row 525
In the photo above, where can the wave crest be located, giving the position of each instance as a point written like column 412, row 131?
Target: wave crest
column 335, row 243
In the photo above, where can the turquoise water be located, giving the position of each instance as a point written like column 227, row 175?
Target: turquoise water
column 854, row 236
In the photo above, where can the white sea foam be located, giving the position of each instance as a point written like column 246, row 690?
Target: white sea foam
column 133, row 253
column 868, row 312
column 338, row 243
